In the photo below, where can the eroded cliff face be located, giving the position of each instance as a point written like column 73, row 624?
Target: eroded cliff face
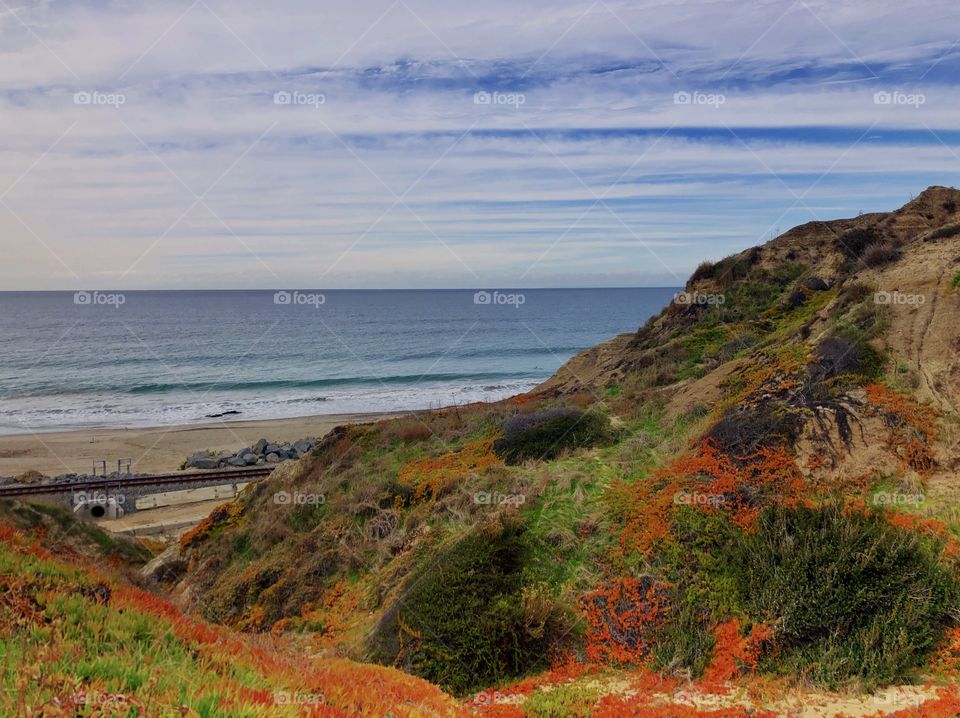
column 887, row 278
column 922, row 231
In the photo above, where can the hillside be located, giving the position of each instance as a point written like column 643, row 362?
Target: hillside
column 77, row 640
column 746, row 507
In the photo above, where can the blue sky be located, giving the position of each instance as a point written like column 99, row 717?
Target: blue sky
column 452, row 144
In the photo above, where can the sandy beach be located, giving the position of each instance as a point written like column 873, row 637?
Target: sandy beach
column 154, row 449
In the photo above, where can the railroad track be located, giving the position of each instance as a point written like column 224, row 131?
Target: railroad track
column 180, row 477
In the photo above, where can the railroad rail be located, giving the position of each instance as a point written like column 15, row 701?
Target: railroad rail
column 180, row 477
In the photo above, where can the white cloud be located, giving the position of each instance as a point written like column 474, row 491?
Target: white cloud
column 196, row 83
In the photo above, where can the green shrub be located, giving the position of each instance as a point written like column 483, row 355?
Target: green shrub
column 735, row 267
column 846, row 353
column 687, row 642
column 470, row 620
column 571, row 701
column 544, row 435
column 742, row 430
column 849, row 596
column 854, row 242
column 704, row 270
column 876, row 255
column 948, row 230
column 698, row 565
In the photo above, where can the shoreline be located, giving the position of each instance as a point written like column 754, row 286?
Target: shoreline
column 158, row 449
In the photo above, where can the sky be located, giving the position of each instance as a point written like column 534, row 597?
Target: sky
column 428, row 143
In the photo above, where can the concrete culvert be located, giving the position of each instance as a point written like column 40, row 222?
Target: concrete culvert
column 95, row 508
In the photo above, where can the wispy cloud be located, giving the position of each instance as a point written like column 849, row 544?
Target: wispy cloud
column 432, row 144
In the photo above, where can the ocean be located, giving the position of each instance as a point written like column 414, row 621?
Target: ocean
column 152, row 358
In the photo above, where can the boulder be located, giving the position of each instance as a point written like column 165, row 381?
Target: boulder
column 236, row 461
column 202, row 460
column 165, row 567
column 260, row 446
column 272, row 449
column 273, row 457
column 249, row 459
column 302, row 447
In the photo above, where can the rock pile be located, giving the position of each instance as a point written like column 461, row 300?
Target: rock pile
column 263, row 452
column 71, row 478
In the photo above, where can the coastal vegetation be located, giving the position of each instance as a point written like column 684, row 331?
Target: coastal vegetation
column 746, row 500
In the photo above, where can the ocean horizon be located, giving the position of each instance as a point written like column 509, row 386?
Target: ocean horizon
column 76, row 360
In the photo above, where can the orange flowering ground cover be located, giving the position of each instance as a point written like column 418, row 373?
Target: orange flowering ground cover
column 708, row 480
column 913, row 426
column 622, row 616
column 431, row 477
column 91, row 644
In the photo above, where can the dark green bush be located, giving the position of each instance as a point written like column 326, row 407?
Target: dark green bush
column 815, row 284
column 876, row 255
column 735, row 267
column 544, row 435
column 697, row 564
column 741, row 431
column 849, row 596
column 470, row 621
column 845, row 354
column 854, row 242
column 949, row 230
column 704, row 270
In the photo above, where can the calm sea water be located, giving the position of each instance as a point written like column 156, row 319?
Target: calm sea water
column 156, row 358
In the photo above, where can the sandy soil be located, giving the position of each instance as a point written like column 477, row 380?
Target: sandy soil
column 154, row 449
column 168, row 522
